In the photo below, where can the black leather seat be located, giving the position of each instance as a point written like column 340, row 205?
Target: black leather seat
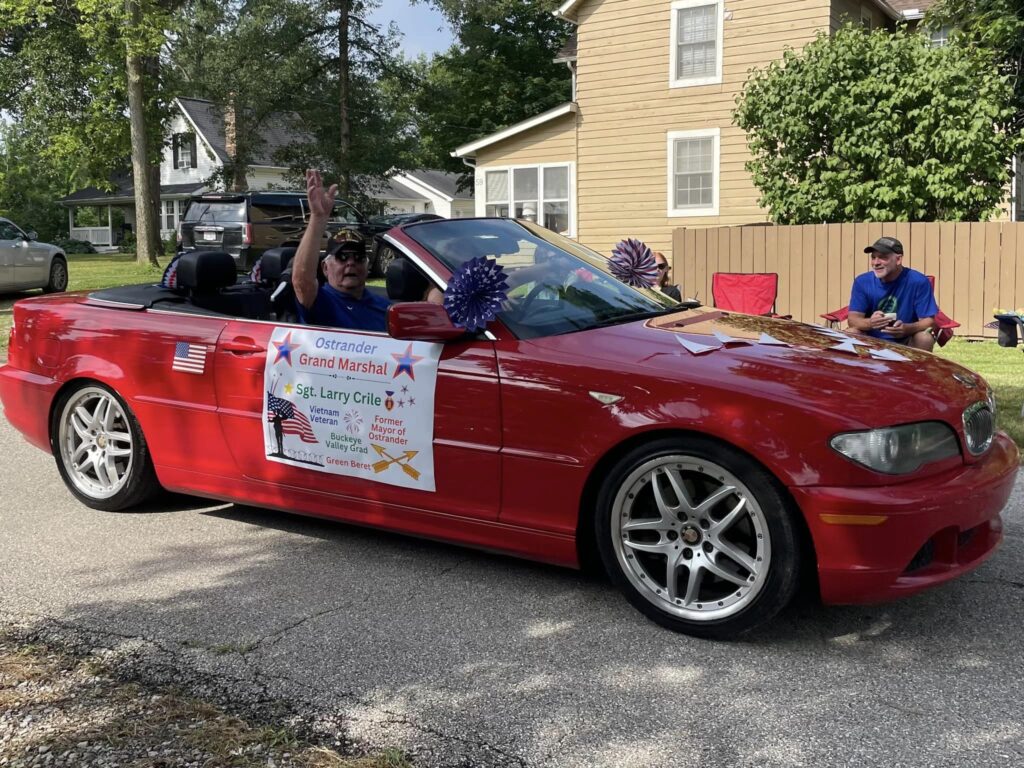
column 209, row 280
column 405, row 281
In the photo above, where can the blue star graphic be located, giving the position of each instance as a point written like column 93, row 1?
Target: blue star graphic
column 285, row 349
column 406, row 361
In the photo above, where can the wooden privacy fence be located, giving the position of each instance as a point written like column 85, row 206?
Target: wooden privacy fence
column 977, row 266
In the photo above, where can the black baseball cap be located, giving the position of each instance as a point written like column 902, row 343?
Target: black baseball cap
column 886, row 245
column 347, row 240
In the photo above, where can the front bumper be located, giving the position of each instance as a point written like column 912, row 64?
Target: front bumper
column 933, row 530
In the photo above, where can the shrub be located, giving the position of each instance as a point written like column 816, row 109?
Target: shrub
column 70, row 245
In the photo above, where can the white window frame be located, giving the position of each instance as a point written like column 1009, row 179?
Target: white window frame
column 716, row 135
column 481, row 186
column 937, row 38
column 686, row 82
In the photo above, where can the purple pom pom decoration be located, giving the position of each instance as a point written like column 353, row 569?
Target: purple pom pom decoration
column 475, row 293
column 633, row 263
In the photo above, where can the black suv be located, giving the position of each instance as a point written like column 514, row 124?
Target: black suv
column 245, row 224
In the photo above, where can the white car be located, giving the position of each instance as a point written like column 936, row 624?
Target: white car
column 26, row 263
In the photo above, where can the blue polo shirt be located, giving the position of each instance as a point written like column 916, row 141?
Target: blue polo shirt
column 339, row 310
column 909, row 296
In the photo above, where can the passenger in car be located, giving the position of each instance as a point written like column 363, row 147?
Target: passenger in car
column 343, row 300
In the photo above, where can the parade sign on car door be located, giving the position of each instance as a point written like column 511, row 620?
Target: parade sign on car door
column 351, row 404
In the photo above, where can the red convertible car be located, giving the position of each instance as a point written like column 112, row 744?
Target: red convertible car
column 710, row 461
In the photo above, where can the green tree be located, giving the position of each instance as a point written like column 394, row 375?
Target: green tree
column 355, row 108
column 31, row 182
column 86, row 73
column 500, row 71
column 995, row 25
column 879, row 127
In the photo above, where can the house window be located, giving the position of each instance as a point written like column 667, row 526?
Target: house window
column 184, row 148
column 169, row 220
column 939, row 37
column 538, row 193
column 693, row 158
column 866, row 19
column 496, row 193
column 696, row 57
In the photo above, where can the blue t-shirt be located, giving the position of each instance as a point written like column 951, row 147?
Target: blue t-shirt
column 339, row 310
column 909, row 296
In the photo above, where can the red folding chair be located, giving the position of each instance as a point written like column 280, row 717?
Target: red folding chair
column 750, row 293
column 942, row 330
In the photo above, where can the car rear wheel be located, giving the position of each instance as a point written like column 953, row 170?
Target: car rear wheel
column 58, row 276
column 698, row 537
column 385, row 255
column 101, row 453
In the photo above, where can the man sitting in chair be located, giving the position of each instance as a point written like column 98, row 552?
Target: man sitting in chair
column 342, row 301
column 891, row 301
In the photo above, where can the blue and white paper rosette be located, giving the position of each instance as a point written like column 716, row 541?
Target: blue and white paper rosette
column 633, row 263
column 475, row 293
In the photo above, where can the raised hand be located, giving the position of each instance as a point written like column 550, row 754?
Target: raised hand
column 321, row 201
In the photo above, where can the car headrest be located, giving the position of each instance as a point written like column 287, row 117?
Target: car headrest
column 274, row 262
column 405, row 281
column 205, row 271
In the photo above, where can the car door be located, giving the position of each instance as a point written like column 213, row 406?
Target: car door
column 31, row 263
column 466, row 420
column 7, row 235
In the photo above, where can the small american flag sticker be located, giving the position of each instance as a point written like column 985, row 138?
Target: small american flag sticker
column 189, row 358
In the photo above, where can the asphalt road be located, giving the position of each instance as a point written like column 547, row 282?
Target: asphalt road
column 470, row 659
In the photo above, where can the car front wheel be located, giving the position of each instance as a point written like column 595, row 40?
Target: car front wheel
column 58, row 281
column 100, row 451
column 698, row 537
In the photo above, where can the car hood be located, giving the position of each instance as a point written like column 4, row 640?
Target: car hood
column 860, row 381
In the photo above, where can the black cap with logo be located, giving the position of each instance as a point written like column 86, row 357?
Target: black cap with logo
column 886, row 245
column 348, row 240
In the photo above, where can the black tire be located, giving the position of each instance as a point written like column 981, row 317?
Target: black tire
column 58, row 282
column 747, row 524
column 385, row 255
column 91, row 421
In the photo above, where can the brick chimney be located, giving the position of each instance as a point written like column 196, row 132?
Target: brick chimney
column 229, row 127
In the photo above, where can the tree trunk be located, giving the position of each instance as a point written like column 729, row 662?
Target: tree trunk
column 345, row 145
column 145, row 223
column 151, row 68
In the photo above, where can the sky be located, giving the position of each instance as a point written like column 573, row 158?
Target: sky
column 424, row 28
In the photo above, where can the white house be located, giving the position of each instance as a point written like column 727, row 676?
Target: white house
column 427, row 192
column 200, row 143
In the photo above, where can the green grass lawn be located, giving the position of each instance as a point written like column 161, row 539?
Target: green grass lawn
column 1002, row 367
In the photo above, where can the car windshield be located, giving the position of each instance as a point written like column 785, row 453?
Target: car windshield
column 555, row 284
column 206, row 212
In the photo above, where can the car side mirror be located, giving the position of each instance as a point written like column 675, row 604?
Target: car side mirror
column 421, row 321
column 31, row 235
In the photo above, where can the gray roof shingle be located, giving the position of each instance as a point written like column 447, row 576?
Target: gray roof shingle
column 279, row 132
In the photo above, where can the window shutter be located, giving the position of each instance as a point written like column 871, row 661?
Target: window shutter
column 174, row 148
column 192, row 145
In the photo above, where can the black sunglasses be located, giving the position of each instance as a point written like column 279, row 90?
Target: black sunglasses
column 664, row 266
column 341, row 256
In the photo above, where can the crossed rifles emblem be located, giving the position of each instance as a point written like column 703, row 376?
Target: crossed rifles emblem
column 401, row 460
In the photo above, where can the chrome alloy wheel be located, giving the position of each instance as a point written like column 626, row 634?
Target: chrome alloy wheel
column 95, row 443
column 691, row 538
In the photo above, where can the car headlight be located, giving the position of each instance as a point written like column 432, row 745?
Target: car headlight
column 899, row 450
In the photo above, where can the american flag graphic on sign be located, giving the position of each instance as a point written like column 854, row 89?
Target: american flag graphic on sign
column 293, row 421
column 189, row 358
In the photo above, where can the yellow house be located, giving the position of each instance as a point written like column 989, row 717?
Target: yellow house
column 648, row 144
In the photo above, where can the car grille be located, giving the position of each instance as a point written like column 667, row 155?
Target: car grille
column 979, row 427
